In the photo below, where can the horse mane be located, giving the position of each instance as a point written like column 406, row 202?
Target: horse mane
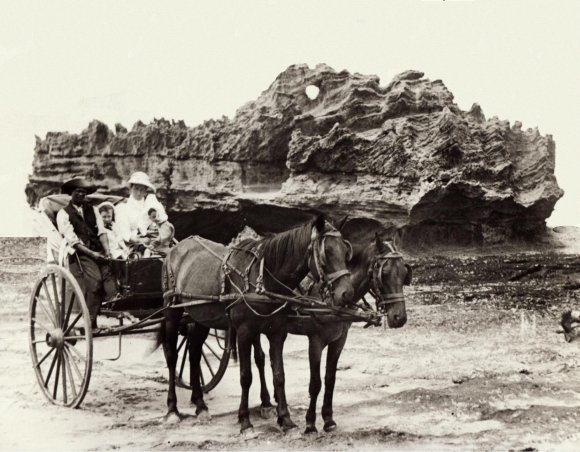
column 277, row 251
column 278, row 248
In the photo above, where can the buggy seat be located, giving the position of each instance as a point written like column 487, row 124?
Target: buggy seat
column 45, row 222
column 138, row 280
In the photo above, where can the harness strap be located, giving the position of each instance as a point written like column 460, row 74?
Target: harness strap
column 260, row 280
column 208, row 249
column 376, row 270
column 387, row 299
column 227, row 269
column 391, row 296
column 326, row 288
column 336, row 275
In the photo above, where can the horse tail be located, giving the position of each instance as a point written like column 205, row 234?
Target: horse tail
column 160, row 336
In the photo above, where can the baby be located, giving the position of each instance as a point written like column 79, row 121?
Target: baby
column 153, row 227
column 116, row 244
column 160, row 233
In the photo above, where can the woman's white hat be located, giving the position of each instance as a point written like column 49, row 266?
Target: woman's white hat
column 140, row 178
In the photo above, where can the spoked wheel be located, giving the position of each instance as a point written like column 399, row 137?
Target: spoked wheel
column 214, row 360
column 61, row 341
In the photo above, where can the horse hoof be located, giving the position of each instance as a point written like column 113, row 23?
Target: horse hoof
column 249, row 433
column 286, row 424
column 267, row 412
column 310, row 429
column 204, row 417
column 329, row 426
column 172, row 418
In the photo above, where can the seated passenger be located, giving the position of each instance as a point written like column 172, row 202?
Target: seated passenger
column 160, row 232
column 132, row 216
column 83, row 229
column 117, row 245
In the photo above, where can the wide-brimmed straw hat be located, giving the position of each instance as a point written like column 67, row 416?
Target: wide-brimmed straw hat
column 77, row 182
column 140, row 178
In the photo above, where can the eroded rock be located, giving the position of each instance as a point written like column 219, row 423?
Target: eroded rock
column 402, row 156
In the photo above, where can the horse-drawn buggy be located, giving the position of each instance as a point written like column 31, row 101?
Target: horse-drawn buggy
column 204, row 292
column 61, row 337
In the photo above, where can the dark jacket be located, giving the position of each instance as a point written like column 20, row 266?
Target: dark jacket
column 85, row 229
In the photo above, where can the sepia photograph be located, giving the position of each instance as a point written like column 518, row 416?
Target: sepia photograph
column 290, row 225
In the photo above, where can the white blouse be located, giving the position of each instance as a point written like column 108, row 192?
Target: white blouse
column 132, row 218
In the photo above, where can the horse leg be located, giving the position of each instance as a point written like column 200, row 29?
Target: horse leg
column 260, row 360
column 315, row 348
column 234, row 345
column 276, row 350
column 170, row 332
column 197, row 336
column 332, row 356
column 245, row 340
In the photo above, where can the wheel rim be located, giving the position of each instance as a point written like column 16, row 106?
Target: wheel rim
column 214, row 360
column 60, row 338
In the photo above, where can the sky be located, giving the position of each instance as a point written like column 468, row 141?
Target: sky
column 65, row 63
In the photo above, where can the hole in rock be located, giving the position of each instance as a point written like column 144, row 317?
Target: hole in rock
column 312, row 91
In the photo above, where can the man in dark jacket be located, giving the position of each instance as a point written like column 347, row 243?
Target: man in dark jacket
column 83, row 229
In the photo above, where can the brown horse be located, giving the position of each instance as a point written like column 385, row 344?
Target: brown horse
column 196, row 266
column 376, row 267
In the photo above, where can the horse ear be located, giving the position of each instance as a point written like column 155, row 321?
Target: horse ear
column 380, row 245
column 342, row 223
column 409, row 275
column 319, row 223
column 349, row 253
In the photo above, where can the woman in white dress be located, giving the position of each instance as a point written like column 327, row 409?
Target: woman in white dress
column 132, row 216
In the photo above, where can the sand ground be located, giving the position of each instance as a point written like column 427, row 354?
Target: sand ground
column 458, row 376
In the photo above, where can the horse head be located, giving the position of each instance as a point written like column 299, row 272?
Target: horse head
column 330, row 253
column 388, row 274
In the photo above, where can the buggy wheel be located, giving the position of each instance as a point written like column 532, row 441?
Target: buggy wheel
column 214, row 359
column 61, row 341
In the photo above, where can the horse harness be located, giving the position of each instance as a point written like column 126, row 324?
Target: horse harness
column 375, row 275
column 316, row 252
column 375, row 272
column 319, row 255
column 257, row 253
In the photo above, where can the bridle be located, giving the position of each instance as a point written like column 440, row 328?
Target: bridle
column 378, row 289
column 318, row 254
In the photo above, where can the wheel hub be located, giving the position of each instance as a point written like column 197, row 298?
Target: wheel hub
column 55, row 338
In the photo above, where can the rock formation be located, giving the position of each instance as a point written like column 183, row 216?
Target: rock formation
column 402, row 155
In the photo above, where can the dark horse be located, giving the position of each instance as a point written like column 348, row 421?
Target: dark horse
column 376, row 266
column 202, row 267
column 569, row 318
